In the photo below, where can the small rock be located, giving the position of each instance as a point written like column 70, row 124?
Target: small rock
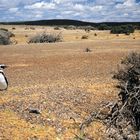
column 35, row 111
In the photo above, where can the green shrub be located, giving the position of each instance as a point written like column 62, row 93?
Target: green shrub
column 124, row 29
column 46, row 38
column 70, row 27
column 103, row 27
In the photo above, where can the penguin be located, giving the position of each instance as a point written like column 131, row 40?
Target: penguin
column 3, row 79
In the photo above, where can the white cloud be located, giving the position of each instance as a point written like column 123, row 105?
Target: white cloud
column 13, row 10
column 79, row 7
column 41, row 5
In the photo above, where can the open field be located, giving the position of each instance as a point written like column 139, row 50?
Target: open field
column 61, row 80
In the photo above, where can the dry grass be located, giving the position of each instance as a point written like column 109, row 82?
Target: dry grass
column 60, row 80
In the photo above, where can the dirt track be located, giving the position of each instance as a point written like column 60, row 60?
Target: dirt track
column 62, row 81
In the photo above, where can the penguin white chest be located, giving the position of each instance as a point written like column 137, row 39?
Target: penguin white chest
column 3, row 82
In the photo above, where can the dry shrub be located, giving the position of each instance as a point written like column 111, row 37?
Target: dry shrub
column 84, row 37
column 123, row 116
column 46, row 38
column 5, row 36
column 56, row 28
column 87, row 50
column 95, row 34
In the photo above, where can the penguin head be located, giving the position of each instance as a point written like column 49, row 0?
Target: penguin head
column 3, row 66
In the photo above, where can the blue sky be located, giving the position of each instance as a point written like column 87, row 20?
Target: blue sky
column 86, row 10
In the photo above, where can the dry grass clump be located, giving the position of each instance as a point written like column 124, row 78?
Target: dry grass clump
column 87, row 50
column 13, row 28
column 46, row 38
column 56, row 28
column 95, row 34
column 84, row 37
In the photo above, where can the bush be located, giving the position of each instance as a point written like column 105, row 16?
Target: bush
column 87, row 50
column 84, row 37
column 70, row 27
column 4, row 40
column 103, row 27
column 56, row 28
column 95, row 34
column 129, row 85
column 124, row 29
column 3, row 29
column 32, row 28
column 5, row 36
column 87, row 30
column 6, row 33
column 46, row 38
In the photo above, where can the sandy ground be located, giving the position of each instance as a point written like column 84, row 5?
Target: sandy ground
column 61, row 80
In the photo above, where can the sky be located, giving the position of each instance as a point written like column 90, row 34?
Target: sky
column 85, row 10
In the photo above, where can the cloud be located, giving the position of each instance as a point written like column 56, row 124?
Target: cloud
column 13, row 10
column 95, row 10
column 41, row 5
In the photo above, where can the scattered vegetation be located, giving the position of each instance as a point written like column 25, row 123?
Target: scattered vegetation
column 124, row 29
column 70, row 27
column 87, row 30
column 46, row 38
column 32, row 28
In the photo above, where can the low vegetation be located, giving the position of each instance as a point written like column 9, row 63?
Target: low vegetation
column 5, row 36
column 129, row 85
column 45, row 38
column 87, row 50
column 84, row 37
column 104, row 27
column 122, row 119
column 56, row 28
column 124, row 29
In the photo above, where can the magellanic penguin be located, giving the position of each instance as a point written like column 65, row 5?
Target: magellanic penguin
column 3, row 79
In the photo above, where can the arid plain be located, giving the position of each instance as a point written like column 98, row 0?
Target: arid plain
column 63, row 81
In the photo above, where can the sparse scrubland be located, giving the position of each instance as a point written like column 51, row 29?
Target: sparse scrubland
column 65, row 91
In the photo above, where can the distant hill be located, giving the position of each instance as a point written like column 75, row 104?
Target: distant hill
column 59, row 22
